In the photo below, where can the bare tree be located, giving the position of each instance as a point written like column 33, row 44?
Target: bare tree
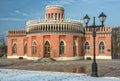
column 3, row 47
column 116, row 41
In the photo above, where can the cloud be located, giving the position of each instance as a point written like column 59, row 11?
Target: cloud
column 18, row 12
column 12, row 19
column 90, row 1
column 61, row 2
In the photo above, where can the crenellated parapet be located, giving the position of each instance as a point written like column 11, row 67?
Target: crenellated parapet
column 98, row 30
column 16, row 33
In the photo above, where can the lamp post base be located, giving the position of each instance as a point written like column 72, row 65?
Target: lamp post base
column 94, row 70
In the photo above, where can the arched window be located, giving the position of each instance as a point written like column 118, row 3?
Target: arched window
column 74, row 47
column 101, row 47
column 34, row 48
column 48, row 15
column 25, row 49
column 14, row 48
column 55, row 16
column 87, row 47
column 62, row 47
column 62, row 15
column 59, row 16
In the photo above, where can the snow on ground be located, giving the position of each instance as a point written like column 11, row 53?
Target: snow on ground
column 22, row 75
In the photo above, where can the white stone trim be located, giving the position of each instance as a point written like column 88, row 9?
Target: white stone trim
column 24, row 57
column 76, row 43
column 99, row 57
column 68, row 58
column 46, row 41
column 61, row 58
column 33, row 58
column 63, row 42
column 16, row 57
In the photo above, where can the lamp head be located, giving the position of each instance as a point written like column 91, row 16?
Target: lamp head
column 102, row 17
column 86, row 19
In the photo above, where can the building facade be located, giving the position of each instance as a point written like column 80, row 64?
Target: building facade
column 58, row 38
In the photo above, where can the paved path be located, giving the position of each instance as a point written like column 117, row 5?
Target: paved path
column 105, row 67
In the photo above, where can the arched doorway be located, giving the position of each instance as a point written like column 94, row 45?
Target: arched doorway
column 47, row 49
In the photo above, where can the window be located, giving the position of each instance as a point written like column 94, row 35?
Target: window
column 14, row 48
column 34, row 49
column 74, row 47
column 48, row 15
column 62, row 15
column 87, row 47
column 25, row 49
column 55, row 16
column 101, row 47
column 59, row 16
column 62, row 47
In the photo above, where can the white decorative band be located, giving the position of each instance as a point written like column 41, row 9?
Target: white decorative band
column 68, row 58
column 62, row 58
column 98, row 57
column 24, row 57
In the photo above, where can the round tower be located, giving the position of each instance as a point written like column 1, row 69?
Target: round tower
column 54, row 12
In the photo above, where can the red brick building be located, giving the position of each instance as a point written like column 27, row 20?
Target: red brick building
column 58, row 38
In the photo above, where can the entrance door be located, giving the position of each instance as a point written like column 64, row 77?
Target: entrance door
column 47, row 49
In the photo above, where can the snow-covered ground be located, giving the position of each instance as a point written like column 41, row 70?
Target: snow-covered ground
column 22, row 75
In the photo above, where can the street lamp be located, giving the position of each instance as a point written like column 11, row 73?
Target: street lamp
column 102, row 18
column 86, row 19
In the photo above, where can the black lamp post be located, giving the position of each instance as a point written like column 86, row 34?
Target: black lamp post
column 102, row 18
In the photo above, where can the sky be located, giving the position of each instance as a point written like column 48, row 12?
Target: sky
column 15, row 13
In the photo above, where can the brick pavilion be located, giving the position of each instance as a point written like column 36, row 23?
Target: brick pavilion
column 58, row 38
